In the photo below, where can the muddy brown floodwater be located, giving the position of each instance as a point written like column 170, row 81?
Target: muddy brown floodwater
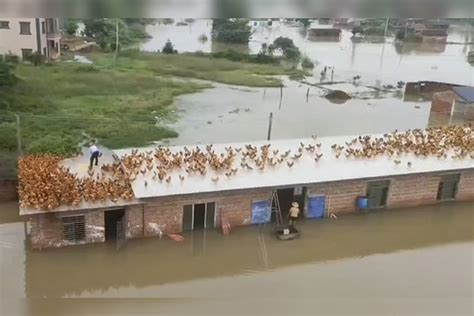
column 416, row 261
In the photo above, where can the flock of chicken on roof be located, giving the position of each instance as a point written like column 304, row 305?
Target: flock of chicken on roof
column 44, row 184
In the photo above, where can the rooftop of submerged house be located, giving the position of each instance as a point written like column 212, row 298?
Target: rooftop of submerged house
column 127, row 175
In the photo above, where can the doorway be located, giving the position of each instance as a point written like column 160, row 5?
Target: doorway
column 112, row 218
column 448, row 187
column 286, row 197
column 199, row 216
column 377, row 193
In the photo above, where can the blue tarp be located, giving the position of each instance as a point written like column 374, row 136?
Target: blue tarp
column 261, row 212
column 467, row 93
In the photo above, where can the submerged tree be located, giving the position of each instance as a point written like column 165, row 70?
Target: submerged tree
column 231, row 31
column 169, row 48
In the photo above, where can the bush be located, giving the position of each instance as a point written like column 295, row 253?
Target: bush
column 54, row 144
column 36, row 58
column 12, row 59
column 7, row 77
column 70, row 27
column 357, row 30
column 287, row 47
column 86, row 69
column 203, row 38
column 131, row 52
column 307, row 63
column 260, row 58
column 8, row 137
column 169, row 48
column 231, row 31
column 292, row 53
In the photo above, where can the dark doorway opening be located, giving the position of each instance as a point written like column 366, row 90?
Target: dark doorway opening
column 199, row 216
column 111, row 220
column 377, row 193
column 285, row 197
column 448, row 187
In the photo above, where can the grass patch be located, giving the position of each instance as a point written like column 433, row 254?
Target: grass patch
column 62, row 104
column 202, row 67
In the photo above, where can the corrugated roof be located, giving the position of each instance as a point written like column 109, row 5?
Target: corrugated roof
column 304, row 171
column 467, row 93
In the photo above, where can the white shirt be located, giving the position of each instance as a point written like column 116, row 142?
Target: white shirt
column 93, row 149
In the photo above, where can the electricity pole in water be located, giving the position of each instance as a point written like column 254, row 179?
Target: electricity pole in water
column 270, row 119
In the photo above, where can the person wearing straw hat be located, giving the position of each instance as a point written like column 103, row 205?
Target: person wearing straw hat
column 294, row 212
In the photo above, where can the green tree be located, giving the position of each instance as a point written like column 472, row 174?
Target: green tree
column 306, row 22
column 231, row 31
column 169, row 48
column 103, row 31
column 7, row 77
column 287, row 47
column 71, row 27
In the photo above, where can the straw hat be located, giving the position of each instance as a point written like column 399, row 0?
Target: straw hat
column 295, row 204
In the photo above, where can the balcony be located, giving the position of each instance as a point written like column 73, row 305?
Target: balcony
column 56, row 35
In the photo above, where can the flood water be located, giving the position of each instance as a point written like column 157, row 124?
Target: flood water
column 388, row 63
column 229, row 113
column 413, row 261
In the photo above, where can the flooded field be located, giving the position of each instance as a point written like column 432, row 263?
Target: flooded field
column 387, row 63
column 229, row 113
column 412, row 261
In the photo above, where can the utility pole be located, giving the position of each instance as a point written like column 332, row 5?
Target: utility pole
column 116, row 39
column 18, row 135
column 270, row 119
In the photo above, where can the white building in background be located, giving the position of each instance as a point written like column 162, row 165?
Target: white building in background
column 24, row 36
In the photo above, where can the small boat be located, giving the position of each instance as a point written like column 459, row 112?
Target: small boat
column 287, row 232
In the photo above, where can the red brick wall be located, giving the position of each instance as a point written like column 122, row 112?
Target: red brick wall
column 165, row 215
column 46, row 230
column 163, row 218
column 341, row 197
column 442, row 102
column 413, row 190
column 8, row 191
column 466, row 187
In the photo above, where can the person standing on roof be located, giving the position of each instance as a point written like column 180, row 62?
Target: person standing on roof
column 94, row 153
column 294, row 213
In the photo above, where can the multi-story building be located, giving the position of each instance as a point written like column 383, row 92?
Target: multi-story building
column 24, row 36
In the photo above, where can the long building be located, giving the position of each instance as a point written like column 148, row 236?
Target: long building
column 24, row 36
column 173, row 190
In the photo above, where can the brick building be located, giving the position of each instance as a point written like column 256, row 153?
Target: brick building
column 331, row 185
column 456, row 101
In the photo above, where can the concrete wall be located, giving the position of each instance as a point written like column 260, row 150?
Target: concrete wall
column 11, row 41
column 46, row 230
column 8, row 191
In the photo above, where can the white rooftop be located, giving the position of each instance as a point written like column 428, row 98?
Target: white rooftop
column 304, row 171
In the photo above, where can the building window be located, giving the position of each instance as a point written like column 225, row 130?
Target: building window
column 4, row 25
column 25, row 28
column 377, row 193
column 26, row 53
column 43, row 27
column 74, row 228
column 448, row 187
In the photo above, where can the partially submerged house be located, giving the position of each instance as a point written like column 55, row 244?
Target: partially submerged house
column 324, row 34
column 154, row 191
column 456, row 101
